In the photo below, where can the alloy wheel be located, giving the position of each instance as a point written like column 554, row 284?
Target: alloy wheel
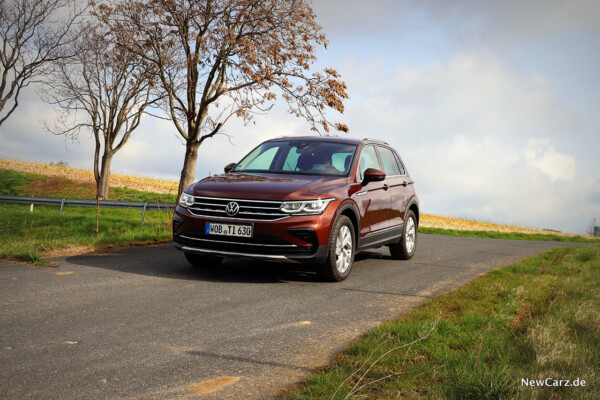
column 410, row 234
column 343, row 249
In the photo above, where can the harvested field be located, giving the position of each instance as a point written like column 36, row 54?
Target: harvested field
column 85, row 176
column 436, row 221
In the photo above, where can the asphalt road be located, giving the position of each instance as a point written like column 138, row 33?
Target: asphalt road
column 140, row 323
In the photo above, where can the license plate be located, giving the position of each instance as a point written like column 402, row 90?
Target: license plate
column 228, row 229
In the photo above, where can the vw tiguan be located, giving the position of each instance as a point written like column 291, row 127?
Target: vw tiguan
column 315, row 200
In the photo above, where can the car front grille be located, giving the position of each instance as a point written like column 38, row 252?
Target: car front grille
column 251, row 210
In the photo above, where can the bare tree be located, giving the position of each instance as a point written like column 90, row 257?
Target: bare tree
column 221, row 58
column 104, row 90
column 33, row 35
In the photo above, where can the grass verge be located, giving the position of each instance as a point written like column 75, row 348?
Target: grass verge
column 29, row 236
column 507, row 235
column 537, row 319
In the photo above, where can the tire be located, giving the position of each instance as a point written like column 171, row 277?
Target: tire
column 341, row 251
column 406, row 246
column 202, row 261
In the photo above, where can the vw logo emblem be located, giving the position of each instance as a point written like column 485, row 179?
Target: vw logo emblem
column 232, row 208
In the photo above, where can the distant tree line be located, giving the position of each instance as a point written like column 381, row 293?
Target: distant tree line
column 106, row 64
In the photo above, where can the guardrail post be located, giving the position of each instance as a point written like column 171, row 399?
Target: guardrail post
column 31, row 208
column 144, row 212
column 62, row 205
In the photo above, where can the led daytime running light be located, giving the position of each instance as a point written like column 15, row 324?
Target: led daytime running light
column 305, row 207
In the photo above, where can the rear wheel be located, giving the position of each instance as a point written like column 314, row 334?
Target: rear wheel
column 405, row 248
column 202, row 261
column 341, row 251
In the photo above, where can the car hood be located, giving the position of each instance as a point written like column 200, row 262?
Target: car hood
column 266, row 186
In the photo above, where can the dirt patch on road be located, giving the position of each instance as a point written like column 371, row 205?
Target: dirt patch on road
column 68, row 251
column 210, row 386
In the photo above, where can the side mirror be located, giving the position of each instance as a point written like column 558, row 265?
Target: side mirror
column 373, row 175
column 229, row 167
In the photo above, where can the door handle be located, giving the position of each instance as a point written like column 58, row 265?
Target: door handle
column 385, row 187
column 404, row 183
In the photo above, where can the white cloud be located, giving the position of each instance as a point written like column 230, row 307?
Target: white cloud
column 542, row 154
column 472, row 94
column 480, row 139
column 489, row 179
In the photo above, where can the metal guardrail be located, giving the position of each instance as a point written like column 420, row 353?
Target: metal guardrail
column 50, row 201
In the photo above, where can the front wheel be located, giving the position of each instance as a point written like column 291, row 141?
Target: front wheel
column 341, row 251
column 405, row 248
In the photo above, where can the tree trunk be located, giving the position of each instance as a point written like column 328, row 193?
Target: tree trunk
column 189, row 168
column 104, row 176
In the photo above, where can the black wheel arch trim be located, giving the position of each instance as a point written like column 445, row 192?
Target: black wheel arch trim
column 348, row 204
column 413, row 202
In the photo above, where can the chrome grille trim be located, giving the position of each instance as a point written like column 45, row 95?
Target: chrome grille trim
column 236, row 200
column 250, row 209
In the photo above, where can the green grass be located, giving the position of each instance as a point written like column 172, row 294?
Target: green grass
column 26, row 235
column 11, row 182
column 507, row 235
column 536, row 319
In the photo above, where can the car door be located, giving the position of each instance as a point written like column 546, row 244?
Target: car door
column 373, row 198
column 397, row 182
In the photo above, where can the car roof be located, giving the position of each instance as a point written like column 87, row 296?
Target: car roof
column 334, row 139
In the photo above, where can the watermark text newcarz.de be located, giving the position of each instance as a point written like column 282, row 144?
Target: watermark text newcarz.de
column 551, row 382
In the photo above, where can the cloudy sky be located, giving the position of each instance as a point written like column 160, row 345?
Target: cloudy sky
column 492, row 105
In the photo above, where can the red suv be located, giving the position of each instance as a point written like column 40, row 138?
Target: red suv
column 316, row 200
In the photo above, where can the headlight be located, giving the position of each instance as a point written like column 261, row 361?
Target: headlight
column 186, row 200
column 305, row 207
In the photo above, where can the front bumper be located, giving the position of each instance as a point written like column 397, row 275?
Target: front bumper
column 296, row 238
column 318, row 256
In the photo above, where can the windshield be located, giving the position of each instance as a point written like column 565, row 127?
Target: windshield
column 299, row 157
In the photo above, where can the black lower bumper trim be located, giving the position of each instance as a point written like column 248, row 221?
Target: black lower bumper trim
column 318, row 256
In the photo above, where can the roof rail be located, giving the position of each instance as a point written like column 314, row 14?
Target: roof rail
column 374, row 140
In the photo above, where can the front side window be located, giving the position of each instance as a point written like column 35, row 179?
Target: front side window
column 299, row 157
column 368, row 159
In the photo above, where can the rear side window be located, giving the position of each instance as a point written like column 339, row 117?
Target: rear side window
column 368, row 159
column 400, row 165
column 390, row 166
